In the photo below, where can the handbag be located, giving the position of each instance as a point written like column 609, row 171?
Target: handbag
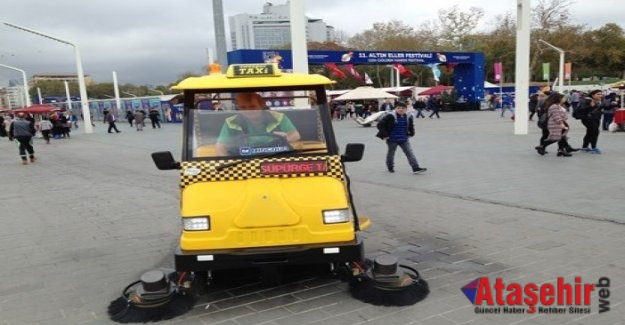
column 543, row 121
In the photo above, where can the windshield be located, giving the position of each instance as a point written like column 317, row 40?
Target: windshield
column 249, row 124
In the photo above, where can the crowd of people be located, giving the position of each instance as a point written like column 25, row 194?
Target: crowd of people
column 24, row 127
column 594, row 109
column 416, row 107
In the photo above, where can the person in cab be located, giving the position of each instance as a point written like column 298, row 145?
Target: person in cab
column 254, row 127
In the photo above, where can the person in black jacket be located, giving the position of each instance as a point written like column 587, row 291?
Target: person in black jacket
column 396, row 128
column 155, row 118
column 590, row 114
column 22, row 131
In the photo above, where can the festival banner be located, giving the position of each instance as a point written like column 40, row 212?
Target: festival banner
column 546, row 71
column 498, row 71
column 567, row 71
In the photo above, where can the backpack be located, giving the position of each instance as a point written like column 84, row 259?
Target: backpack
column 583, row 111
column 579, row 114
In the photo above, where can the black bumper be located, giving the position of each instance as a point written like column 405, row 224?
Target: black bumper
column 257, row 257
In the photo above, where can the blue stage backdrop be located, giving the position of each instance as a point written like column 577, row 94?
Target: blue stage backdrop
column 468, row 67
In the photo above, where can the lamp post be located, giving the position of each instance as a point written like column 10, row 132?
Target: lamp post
column 69, row 97
column 81, row 75
column 561, row 65
column 26, row 93
column 522, row 63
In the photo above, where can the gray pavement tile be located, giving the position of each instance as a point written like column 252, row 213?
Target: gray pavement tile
column 317, row 302
column 438, row 320
column 225, row 315
column 306, row 317
column 264, row 316
column 273, row 302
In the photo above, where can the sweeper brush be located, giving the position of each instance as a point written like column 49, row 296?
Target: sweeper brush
column 387, row 283
column 153, row 298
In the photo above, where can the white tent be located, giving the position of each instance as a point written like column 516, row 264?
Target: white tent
column 365, row 92
column 490, row 85
column 336, row 92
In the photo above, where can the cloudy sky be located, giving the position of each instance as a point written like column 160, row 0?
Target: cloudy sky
column 153, row 42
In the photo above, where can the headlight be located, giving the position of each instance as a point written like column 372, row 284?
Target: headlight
column 336, row 216
column 196, row 223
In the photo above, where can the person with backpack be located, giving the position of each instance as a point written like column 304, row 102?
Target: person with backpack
column 395, row 128
column 22, row 132
column 589, row 113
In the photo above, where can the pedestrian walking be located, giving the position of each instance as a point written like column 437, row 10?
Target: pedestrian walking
column 557, row 126
column 507, row 104
column 130, row 117
column 435, row 106
column 396, row 128
column 589, row 113
column 45, row 126
column 22, row 132
column 155, row 118
column 139, row 118
column 419, row 105
column 110, row 118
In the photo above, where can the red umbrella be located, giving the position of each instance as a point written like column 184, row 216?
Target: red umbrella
column 436, row 90
column 37, row 109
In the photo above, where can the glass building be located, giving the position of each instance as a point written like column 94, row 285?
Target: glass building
column 272, row 29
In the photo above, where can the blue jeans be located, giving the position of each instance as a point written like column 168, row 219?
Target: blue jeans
column 506, row 107
column 405, row 146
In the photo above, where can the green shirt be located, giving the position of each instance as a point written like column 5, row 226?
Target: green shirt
column 257, row 134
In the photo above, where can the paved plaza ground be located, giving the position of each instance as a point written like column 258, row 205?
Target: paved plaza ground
column 94, row 213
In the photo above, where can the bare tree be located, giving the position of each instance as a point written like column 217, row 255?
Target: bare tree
column 549, row 15
column 456, row 25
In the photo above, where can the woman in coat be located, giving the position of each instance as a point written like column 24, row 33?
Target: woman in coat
column 557, row 126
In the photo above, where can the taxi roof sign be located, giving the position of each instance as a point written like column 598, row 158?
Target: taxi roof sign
column 261, row 75
column 253, row 70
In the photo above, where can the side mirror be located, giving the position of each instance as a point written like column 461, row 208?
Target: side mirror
column 164, row 160
column 353, row 152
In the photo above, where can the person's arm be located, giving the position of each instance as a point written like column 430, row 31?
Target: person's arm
column 383, row 126
column 410, row 126
column 287, row 130
column 223, row 137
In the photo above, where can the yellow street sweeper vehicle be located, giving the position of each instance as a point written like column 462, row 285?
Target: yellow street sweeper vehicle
column 262, row 185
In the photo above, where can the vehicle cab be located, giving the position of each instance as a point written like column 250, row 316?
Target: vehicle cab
column 262, row 184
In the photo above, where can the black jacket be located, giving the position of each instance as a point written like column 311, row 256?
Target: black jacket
column 387, row 123
column 587, row 112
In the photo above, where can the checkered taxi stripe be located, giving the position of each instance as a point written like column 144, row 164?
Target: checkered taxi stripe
column 205, row 171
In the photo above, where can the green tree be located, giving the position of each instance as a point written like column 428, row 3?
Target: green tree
column 606, row 51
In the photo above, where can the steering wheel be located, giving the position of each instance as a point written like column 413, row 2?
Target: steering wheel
column 256, row 141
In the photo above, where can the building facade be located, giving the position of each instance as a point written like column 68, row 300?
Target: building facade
column 272, row 29
column 12, row 97
column 60, row 77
